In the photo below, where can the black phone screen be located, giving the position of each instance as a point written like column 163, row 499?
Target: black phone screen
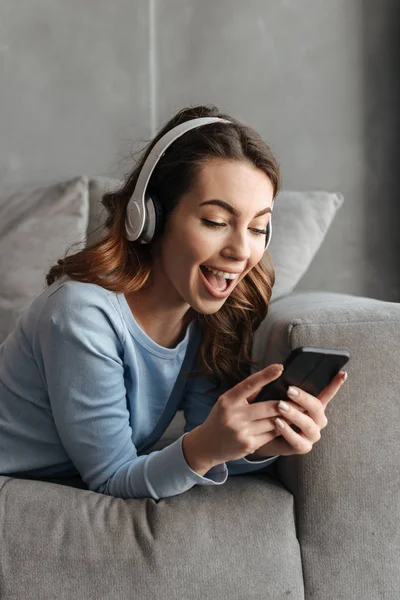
column 310, row 369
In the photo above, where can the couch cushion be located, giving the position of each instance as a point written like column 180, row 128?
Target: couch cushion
column 299, row 225
column 37, row 224
column 229, row 542
column 347, row 488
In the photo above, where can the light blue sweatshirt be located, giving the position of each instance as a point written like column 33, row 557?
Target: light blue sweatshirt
column 84, row 390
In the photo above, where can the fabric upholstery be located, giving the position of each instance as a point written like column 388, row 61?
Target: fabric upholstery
column 37, row 224
column 300, row 223
column 347, row 489
column 66, row 543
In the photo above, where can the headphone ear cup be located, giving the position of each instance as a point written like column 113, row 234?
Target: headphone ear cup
column 158, row 217
column 154, row 219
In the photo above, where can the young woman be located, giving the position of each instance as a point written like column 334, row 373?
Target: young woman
column 98, row 364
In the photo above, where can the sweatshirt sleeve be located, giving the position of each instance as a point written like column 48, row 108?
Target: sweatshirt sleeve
column 196, row 406
column 80, row 348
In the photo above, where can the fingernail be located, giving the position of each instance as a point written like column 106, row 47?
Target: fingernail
column 283, row 405
column 292, row 391
column 344, row 375
column 280, row 423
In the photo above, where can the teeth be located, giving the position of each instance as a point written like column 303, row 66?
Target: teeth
column 222, row 274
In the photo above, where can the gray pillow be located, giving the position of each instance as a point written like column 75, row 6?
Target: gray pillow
column 37, row 225
column 299, row 224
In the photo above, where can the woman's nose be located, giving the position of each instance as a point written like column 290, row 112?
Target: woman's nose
column 239, row 246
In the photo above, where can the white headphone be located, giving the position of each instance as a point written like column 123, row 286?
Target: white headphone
column 145, row 215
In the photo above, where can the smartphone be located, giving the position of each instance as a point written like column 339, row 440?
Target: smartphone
column 310, row 369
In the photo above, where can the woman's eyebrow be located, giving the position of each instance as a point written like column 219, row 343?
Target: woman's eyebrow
column 228, row 207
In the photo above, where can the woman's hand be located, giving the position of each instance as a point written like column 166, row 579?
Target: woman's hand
column 234, row 426
column 307, row 413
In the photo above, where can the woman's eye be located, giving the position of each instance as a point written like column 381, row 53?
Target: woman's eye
column 212, row 223
column 209, row 223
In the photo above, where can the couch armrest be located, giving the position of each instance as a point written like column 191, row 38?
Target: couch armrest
column 347, row 489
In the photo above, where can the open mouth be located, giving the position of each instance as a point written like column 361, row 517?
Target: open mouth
column 218, row 283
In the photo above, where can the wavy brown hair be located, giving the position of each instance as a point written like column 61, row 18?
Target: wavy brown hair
column 123, row 266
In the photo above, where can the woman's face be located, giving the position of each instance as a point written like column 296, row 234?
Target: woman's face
column 191, row 242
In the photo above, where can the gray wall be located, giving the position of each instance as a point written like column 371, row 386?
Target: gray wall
column 86, row 83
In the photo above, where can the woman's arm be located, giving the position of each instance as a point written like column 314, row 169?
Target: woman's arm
column 80, row 349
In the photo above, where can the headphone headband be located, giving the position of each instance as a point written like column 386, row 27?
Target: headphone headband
column 136, row 213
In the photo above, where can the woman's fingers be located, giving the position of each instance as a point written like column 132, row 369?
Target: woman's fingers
column 250, row 387
column 297, row 441
column 308, row 426
column 332, row 388
column 263, row 426
column 304, row 422
column 315, row 406
column 312, row 405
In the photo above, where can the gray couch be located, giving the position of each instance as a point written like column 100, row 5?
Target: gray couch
column 322, row 526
